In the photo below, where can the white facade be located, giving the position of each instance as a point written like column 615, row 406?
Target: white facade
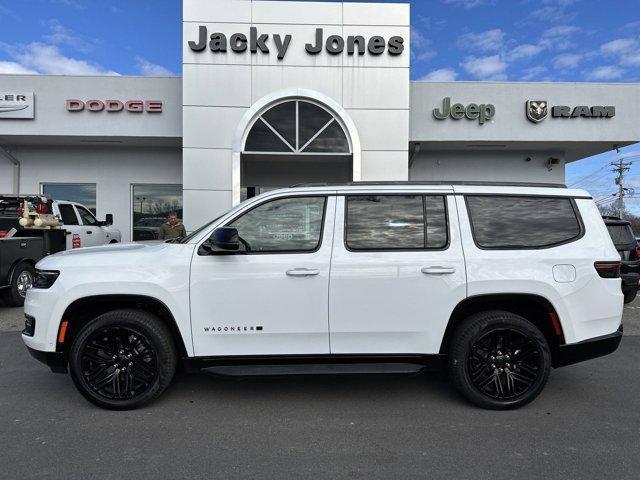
column 223, row 92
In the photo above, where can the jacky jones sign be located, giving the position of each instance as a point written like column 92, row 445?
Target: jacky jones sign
column 260, row 42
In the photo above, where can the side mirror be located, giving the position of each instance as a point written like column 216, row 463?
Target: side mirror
column 108, row 219
column 222, row 240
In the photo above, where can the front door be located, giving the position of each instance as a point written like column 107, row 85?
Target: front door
column 92, row 233
column 272, row 297
column 71, row 223
column 397, row 273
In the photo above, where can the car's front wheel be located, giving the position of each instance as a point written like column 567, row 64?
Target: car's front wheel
column 123, row 359
column 21, row 281
column 499, row 360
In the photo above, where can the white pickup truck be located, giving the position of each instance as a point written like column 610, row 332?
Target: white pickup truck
column 83, row 227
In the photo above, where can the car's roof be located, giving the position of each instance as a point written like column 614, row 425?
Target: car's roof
column 437, row 187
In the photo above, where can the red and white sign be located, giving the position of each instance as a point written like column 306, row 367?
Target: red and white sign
column 76, row 242
column 133, row 106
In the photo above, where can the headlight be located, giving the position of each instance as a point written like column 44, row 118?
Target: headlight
column 45, row 278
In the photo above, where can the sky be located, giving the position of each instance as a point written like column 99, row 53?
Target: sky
column 510, row 40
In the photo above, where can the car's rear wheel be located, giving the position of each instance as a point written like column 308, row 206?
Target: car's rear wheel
column 21, row 281
column 499, row 360
column 123, row 359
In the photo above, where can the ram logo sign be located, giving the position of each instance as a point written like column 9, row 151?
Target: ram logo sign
column 537, row 110
column 16, row 105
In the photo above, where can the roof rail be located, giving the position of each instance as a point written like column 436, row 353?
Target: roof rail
column 431, row 182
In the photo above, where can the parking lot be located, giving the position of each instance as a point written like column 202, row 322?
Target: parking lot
column 586, row 424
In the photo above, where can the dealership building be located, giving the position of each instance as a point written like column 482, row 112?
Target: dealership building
column 281, row 93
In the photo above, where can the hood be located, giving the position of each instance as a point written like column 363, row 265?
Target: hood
column 114, row 254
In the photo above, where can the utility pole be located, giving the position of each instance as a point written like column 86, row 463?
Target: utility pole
column 620, row 167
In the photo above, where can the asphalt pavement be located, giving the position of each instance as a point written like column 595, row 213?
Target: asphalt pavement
column 585, row 425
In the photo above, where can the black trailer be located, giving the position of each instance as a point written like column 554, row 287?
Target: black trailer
column 20, row 252
column 18, row 257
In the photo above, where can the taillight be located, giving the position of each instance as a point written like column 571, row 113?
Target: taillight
column 608, row 269
column 636, row 253
column 3, row 233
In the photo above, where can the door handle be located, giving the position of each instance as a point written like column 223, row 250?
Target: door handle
column 89, row 232
column 438, row 270
column 303, row 272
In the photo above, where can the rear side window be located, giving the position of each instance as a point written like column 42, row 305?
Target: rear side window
column 68, row 214
column 395, row 222
column 513, row 222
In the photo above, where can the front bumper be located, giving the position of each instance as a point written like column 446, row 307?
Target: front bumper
column 56, row 361
column 587, row 349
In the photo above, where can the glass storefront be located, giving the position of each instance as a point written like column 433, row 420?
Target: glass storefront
column 84, row 193
column 150, row 206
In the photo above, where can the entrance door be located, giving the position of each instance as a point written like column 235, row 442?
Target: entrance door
column 397, row 273
column 272, row 297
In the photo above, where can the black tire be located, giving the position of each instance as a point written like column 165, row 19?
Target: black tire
column 630, row 296
column 132, row 350
column 14, row 295
column 498, row 360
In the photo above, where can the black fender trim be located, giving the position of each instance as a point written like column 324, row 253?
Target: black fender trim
column 587, row 349
column 56, row 361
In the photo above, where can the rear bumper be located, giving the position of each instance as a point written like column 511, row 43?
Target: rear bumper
column 587, row 349
column 56, row 361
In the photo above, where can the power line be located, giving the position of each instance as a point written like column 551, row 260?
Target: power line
column 620, row 167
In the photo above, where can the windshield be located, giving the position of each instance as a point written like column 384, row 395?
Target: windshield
column 195, row 233
column 621, row 234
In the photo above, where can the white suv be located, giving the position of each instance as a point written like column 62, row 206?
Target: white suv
column 496, row 283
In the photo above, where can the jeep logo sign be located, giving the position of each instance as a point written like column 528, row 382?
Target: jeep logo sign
column 133, row 106
column 480, row 112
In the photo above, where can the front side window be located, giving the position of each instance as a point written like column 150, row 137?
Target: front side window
column 87, row 217
column 513, row 222
column 68, row 214
column 283, row 225
column 84, row 193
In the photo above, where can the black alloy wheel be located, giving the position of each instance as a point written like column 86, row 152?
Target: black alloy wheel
column 499, row 360
column 504, row 363
column 123, row 359
column 119, row 362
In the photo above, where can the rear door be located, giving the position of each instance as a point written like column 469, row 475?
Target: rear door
column 397, row 273
column 71, row 222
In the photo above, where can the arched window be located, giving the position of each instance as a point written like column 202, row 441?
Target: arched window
column 295, row 127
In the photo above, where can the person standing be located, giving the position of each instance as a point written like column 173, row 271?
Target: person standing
column 172, row 228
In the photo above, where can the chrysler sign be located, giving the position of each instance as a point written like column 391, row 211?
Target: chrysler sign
column 16, row 105
column 260, row 42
